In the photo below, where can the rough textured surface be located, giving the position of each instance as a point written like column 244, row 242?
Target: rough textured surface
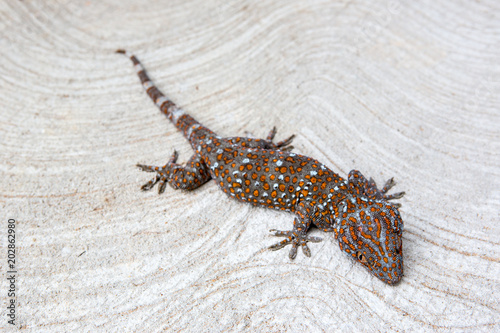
column 394, row 89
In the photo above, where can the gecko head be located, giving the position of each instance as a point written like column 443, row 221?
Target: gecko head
column 371, row 232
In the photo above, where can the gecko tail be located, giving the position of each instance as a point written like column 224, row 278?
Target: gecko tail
column 178, row 117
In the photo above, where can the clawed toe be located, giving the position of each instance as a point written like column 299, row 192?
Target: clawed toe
column 173, row 158
column 159, row 178
column 398, row 195
column 285, row 144
column 281, row 244
column 147, row 168
column 281, row 145
column 388, row 185
column 271, row 134
column 149, row 185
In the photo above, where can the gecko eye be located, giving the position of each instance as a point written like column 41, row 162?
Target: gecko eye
column 361, row 257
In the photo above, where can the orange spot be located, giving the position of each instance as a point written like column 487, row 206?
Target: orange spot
column 255, row 193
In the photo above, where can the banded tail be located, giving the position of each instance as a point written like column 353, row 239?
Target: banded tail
column 184, row 122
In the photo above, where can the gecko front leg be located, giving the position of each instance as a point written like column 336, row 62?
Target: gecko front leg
column 297, row 236
column 369, row 188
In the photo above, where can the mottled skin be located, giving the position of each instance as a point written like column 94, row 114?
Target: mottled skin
column 265, row 173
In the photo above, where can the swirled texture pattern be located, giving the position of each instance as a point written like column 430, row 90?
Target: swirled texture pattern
column 393, row 88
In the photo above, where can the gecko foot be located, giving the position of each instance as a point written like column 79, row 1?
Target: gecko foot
column 388, row 185
column 281, row 145
column 162, row 174
column 295, row 238
column 369, row 187
column 374, row 191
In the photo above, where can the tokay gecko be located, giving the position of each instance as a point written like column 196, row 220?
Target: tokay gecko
column 263, row 173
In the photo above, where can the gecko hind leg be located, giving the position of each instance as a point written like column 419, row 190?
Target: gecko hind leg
column 189, row 177
column 263, row 143
column 162, row 174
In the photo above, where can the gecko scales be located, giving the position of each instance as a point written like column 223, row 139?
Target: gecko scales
column 263, row 173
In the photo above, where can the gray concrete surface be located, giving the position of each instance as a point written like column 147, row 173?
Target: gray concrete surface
column 397, row 88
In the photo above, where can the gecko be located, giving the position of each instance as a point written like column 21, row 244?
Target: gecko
column 261, row 172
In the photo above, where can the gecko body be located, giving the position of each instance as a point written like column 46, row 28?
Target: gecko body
column 263, row 173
